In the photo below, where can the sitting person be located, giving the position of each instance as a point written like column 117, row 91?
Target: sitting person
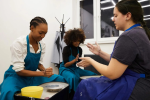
column 71, row 54
column 127, row 75
column 27, row 56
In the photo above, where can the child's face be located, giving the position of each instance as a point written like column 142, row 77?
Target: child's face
column 76, row 43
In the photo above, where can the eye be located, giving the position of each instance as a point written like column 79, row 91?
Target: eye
column 40, row 33
column 115, row 15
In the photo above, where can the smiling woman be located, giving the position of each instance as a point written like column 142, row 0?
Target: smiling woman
column 27, row 56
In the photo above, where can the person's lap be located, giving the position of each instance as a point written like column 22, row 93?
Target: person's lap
column 10, row 86
column 53, row 78
column 141, row 90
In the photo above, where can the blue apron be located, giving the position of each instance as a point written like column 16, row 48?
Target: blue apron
column 73, row 73
column 13, row 82
column 103, row 88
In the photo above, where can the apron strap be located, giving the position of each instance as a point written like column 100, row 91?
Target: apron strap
column 28, row 48
column 28, row 45
column 40, row 47
column 144, row 76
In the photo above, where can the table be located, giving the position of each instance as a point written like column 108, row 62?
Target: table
column 61, row 95
column 85, row 77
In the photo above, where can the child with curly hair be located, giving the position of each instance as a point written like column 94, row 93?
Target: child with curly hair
column 71, row 53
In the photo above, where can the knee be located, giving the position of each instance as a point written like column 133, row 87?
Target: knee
column 6, row 94
column 61, row 78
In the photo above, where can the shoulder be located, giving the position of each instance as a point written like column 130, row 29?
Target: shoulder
column 137, row 35
column 80, row 49
column 20, row 42
column 67, row 48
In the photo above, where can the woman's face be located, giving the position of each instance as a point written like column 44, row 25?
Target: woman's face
column 119, row 19
column 39, row 32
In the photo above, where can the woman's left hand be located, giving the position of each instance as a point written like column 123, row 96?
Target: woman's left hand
column 86, row 61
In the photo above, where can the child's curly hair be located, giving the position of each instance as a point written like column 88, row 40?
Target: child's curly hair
column 73, row 35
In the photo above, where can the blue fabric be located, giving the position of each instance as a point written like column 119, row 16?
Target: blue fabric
column 13, row 83
column 142, row 75
column 135, row 25
column 73, row 73
column 105, row 89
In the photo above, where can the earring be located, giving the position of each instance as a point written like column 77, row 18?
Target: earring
column 126, row 19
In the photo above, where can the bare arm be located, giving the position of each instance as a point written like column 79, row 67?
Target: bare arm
column 113, row 71
column 97, row 51
column 105, row 56
column 72, row 62
column 41, row 67
column 48, row 72
column 30, row 73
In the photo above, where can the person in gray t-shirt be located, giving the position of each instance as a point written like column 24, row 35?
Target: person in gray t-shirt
column 126, row 77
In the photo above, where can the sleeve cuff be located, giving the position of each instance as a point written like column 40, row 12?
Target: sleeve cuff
column 17, row 69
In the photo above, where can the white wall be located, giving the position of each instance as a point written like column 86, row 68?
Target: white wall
column 15, row 16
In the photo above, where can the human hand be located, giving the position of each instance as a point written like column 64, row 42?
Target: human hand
column 94, row 48
column 48, row 72
column 85, row 62
column 77, row 57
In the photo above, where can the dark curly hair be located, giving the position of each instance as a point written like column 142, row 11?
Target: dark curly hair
column 37, row 20
column 73, row 35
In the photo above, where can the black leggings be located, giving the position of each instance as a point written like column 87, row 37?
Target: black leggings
column 141, row 90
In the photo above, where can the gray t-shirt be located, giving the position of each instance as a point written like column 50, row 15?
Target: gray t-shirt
column 133, row 48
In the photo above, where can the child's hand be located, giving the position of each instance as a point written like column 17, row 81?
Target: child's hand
column 77, row 57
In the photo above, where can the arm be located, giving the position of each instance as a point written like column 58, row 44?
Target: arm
column 113, row 71
column 104, row 55
column 66, row 54
column 67, row 64
column 18, row 55
column 125, row 53
column 97, row 51
column 41, row 67
column 30, row 73
column 46, row 73
column 72, row 62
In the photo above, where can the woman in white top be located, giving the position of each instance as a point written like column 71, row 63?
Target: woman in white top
column 27, row 56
